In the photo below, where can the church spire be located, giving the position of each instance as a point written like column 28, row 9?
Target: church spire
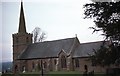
column 22, row 27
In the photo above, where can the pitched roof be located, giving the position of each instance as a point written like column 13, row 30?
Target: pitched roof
column 87, row 48
column 47, row 48
column 53, row 48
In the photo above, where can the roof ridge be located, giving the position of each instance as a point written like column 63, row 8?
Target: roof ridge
column 55, row 40
column 91, row 42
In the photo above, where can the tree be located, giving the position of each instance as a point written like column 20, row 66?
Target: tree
column 38, row 35
column 105, row 55
column 106, row 16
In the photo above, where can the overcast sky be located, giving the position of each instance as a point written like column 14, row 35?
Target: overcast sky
column 58, row 18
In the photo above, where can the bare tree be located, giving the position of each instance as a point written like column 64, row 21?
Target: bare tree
column 42, row 37
column 38, row 35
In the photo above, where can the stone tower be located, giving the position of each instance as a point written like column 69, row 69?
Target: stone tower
column 20, row 42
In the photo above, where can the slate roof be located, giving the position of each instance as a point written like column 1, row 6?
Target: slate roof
column 47, row 49
column 53, row 48
column 87, row 48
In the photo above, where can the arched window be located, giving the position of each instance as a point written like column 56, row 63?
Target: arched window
column 33, row 65
column 86, row 68
column 55, row 61
column 45, row 65
column 39, row 66
column 63, row 62
column 76, row 62
column 93, row 63
column 16, row 68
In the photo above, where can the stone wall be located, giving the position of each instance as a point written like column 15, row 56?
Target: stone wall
column 54, row 64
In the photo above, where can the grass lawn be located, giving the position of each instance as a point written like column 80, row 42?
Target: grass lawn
column 53, row 73
column 64, row 72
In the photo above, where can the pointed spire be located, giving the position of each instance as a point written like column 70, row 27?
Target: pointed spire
column 22, row 26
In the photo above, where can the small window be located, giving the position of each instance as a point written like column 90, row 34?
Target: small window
column 93, row 63
column 45, row 65
column 16, row 40
column 55, row 61
column 33, row 65
column 63, row 62
column 76, row 62
column 27, row 39
column 16, row 68
column 39, row 66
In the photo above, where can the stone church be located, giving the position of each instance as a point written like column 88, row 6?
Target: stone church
column 58, row 55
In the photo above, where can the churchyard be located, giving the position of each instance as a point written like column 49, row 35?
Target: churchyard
column 53, row 73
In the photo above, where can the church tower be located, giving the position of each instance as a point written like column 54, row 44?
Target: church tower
column 20, row 41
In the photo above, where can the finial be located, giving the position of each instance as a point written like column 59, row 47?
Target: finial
column 21, row 2
column 75, row 35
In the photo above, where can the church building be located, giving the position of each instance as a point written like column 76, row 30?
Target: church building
column 58, row 55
